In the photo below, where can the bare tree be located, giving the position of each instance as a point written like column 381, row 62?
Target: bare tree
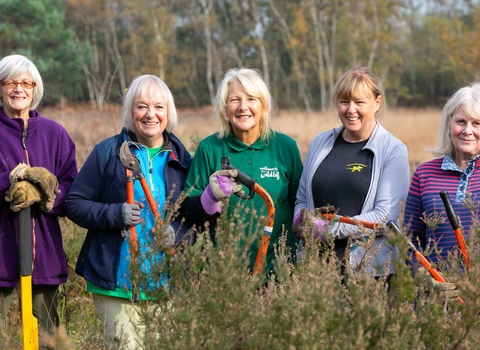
column 207, row 6
column 297, row 69
column 376, row 22
column 261, row 43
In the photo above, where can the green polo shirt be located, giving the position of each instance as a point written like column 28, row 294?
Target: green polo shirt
column 276, row 166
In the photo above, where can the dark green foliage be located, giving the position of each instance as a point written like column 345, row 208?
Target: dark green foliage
column 37, row 29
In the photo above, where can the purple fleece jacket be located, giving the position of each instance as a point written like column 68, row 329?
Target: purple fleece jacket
column 46, row 144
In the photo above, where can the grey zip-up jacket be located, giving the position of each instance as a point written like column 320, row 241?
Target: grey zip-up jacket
column 385, row 197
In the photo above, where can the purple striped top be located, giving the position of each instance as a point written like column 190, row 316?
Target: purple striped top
column 424, row 197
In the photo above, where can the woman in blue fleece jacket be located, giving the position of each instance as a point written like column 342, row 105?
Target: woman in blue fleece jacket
column 97, row 201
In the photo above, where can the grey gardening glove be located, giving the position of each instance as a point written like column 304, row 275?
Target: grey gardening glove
column 424, row 279
column 169, row 236
column 44, row 179
column 22, row 195
column 131, row 213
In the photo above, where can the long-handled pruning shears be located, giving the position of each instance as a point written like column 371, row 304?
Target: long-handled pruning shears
column 29, row 322
column 253, row 188
column 132, row 164
column 394, row 228
column 346, row 220
column 452, row 217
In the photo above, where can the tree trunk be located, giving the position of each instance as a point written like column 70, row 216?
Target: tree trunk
column 373, row 50
column 320, row 67
column 301, row 83
column 261, row 43
column 207, row 7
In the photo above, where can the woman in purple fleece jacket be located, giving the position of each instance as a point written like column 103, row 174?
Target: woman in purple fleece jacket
column 37, row 168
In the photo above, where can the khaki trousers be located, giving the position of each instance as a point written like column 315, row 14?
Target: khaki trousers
column 122, row 321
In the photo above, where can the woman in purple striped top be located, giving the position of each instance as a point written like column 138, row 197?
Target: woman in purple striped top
column 457, row 170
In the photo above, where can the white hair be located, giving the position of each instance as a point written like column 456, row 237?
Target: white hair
column 467, row 97
column 139, row 87
column 15, row 65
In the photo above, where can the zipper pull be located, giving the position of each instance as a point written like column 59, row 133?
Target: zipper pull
column 23, row 138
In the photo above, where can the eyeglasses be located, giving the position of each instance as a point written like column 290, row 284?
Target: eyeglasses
column 13, row 84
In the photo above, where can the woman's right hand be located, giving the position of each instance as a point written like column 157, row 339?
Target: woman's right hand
column 131, row 213
column 221, row 185
column 311, row 224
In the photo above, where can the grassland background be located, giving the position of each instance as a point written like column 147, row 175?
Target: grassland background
column 417, row 128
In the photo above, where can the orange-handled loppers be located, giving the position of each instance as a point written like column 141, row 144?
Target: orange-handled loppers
column 253, row 188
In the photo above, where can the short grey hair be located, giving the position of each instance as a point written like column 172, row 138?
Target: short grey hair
column 15, row 65
column 139, row 87
column 254, row 85
column 467, row 97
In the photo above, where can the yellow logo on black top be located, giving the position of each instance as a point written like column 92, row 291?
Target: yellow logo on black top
column 355, row 167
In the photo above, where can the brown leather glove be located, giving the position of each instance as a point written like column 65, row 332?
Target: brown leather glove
column 327, row 209
column 445, row 290
column 46, row 181
column 22, row 195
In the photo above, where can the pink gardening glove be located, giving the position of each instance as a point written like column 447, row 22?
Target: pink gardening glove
column 221, row 185
column 306, row 224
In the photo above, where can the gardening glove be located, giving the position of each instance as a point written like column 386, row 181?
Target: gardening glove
column 170, row 236
column 327, row 209
column 306, row 224
column 221, row 185
column 46, row 181
column 131, row 213
column 22, row 195
column 17, row 173
column 424, row 279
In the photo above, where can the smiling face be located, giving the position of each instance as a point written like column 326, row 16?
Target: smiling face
column 244, row 113
column 465, row 133
column 150, row 117
column 17, row 100
column 357, row 114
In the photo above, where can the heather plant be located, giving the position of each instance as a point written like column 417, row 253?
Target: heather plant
column 213, row 301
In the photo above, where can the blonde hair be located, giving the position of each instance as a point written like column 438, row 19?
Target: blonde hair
column 467, row 97
column 350, row 83
column 15, row 65
column 254, row 85
column 142, row 85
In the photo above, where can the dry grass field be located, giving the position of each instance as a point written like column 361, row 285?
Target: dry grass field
column 418, row 129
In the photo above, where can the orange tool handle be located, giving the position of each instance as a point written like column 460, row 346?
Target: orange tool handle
column 150, row 200
column 429, row 268
column 345, row 220
column 131, row 200
column 262, row 250
column 452, row 217
column 423, row 260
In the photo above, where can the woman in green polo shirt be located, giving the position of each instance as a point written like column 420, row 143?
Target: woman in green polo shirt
column 242, row 108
